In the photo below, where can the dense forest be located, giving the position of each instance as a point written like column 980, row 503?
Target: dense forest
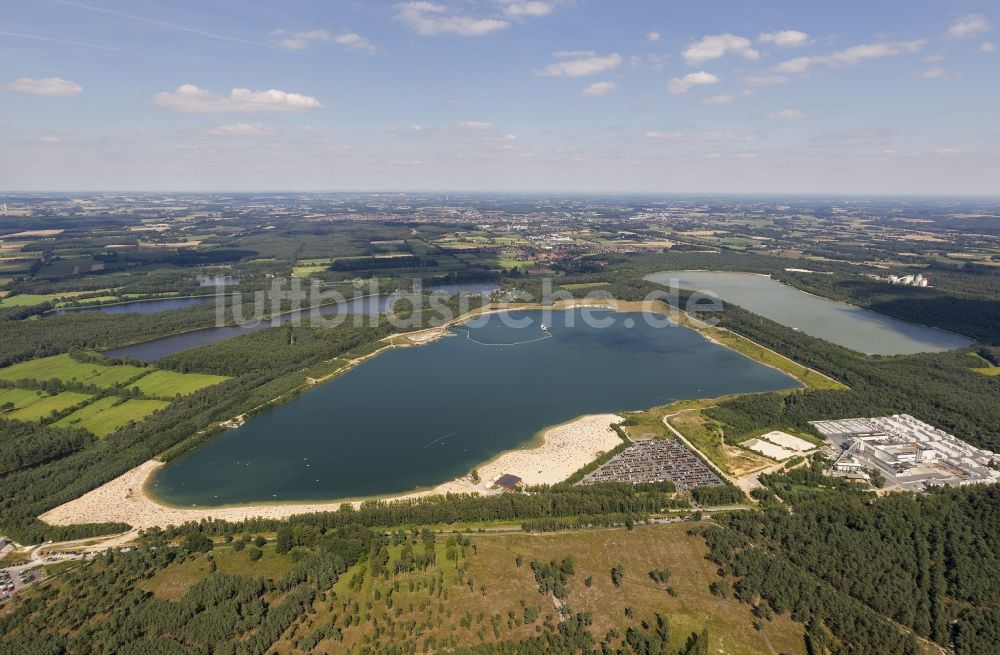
column 221, row 613
column 852, row 567
column 607, row 498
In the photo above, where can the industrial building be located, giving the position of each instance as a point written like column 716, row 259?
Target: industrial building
column 911, row 453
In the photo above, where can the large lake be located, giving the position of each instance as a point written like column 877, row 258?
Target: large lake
column 840, row 323
column 415, row 417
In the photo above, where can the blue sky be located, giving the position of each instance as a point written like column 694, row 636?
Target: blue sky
column 894, row 96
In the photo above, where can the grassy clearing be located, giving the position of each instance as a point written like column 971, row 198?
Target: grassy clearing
column 508, row 262
column 13, row 558
column 270, row 566
column 20, row 397
column 115, row 375
column 493, row 589
column 173, row 582
column 167, row 384
column 109, row 414
column 27, row 300
column 58, row 367
column 66, row 369
column 306, row 271
column 993, row 370
column 60, row 567
column 706, row 435
column 30, row 299
column 326, row 368
column 44, row 407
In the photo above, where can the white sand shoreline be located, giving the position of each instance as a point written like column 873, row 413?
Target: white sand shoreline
column 564, row 449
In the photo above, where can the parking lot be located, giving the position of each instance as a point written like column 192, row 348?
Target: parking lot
column 656, row 461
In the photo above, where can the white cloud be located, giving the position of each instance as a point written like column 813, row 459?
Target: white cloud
column 652, row 36
column 936, row 73
column 190, row 98
column 851, row 56
column 785, row 38
column 354, row 41
column 680, row 85
column 242, row 129
column 475, row 125
column 658, row 137
column 713, row 47
column 305, row 40
column 429, row 19
column 968, row 26
column 721, row 99
column 787, row 115
column 988, row 47
column 598, row 89
column 796, row 65
column 299, row 40
column 45, row 86
column 581, row 64
column 518, row 9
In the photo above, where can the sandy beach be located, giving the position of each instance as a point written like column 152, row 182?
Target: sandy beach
column 564, row 449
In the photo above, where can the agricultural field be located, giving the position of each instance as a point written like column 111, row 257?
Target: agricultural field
column 66, row 369
column 45, row 406
column 168, row 384
column 30, row 300
column 306, row 271
column 27, row 300
column 151, row 382
column 18, row 398
column 108, row 414
column 480, row 594
column 115, row 375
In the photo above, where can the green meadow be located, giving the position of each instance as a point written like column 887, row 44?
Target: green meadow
column 20, row 397
column 154, row 383
column 106, row 415
column 43, row 407
column 66, row 369
column 167, row 384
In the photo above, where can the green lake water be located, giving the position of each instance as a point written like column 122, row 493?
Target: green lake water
column 837, row 322
column 414, row 417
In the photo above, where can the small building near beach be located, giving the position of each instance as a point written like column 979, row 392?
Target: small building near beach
column 509, row 482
